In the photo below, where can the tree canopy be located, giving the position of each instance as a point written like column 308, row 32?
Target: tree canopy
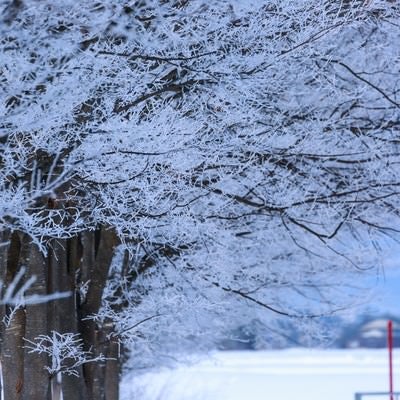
column 243, row 154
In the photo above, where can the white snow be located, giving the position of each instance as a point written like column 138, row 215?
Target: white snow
column 295, row 374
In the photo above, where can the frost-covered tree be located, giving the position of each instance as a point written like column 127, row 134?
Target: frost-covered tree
column 173, row 163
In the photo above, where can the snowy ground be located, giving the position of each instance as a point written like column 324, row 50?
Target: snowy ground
column 295, row 374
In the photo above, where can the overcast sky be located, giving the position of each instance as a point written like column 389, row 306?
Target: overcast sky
column 385, row 293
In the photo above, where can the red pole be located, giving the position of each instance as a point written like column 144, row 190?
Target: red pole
column 390, row 348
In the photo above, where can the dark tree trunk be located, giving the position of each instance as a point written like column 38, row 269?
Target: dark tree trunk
column 112, row 369
column 98, row 251
column 36, row 378
column 12, row 331
column 12, row 357
column 69, row 263
column 63, row 262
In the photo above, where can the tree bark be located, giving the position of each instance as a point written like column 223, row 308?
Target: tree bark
column 68, row 264
column 36, row 378
column 63, row 262
column 12, row 357
column 112, row 371
column 12, row 333
column 98, row 252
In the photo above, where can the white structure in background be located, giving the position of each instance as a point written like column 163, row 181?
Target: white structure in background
column 373, row 334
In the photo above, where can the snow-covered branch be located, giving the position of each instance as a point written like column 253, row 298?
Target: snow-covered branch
column 15, row 292
column 240, row 157
column 65, row 352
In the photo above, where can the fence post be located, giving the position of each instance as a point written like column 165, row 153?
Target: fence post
column 390, row 348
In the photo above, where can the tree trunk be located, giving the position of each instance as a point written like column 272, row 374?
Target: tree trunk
column 12, row 322
column 12, row 357
column 98, row 251
column 111, row 380
column 36, row 377
column 56, row 387
column 63, row 262
column 4, row 247
column 69, row 263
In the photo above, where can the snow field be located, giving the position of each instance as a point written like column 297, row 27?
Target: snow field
column 294, row 374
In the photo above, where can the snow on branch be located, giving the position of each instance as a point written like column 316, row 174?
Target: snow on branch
column 15, row 295
column 65, row 351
